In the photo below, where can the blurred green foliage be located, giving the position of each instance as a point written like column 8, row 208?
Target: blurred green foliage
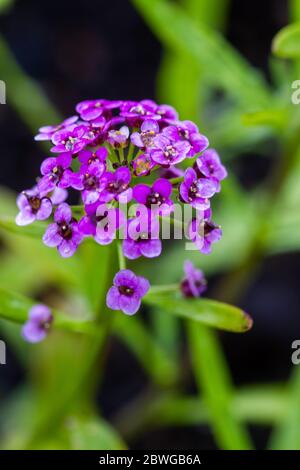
column 56, row 408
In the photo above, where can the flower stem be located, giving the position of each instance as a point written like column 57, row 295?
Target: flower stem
column 130, row 152
column 177, row 180
column 122, row 261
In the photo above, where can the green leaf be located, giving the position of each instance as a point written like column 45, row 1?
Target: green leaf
column 93, row 434
column 215, row 385
column 210, row 312
column 269, row 117
column 35, row 230
column 286, row 43
column 15, row 307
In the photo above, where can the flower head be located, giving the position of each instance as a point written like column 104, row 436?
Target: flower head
column 37, row 326
column 142, row 238
column 64, row 233
column 55, row 172
column 32, row 207
column 118, row 138
column 145, row 138
column 101, row 222
column 127, row 292
column 71, row 139
column 47, row 132
column 87, row 157
column 189, row 132
column 90, row 182
column 168, row 152
column 155, row 197
column 203, row 232
column 209, row 165
column 196, row 191
column 194, row 282
column 116, row 186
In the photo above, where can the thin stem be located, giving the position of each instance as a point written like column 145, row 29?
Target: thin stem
column 177, row 180
column 121, row 257
column 130, row 152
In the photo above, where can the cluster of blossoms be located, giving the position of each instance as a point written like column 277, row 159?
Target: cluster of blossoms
column 105, row 152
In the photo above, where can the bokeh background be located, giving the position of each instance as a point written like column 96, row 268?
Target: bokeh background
column 79, row 50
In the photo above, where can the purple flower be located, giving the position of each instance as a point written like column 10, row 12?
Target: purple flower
column 56, row 172
column 144, row 139
column 70, row 140
column 136, row 112
column 86, row 157
column 127, row 292
column 167, row 113
column 155, row 197
column 101, row 222
column 194, row 282
column 64, row 233
column 209, row 165
column 203, row 233
column 142, row 164
column 32, row 207
column 90, row 110
column 37, row 326
column 58, row 195
column 118, row 138
column 196, row 191
column 168, row 152
column 187, row 131
column 171, row 172
column 142, row 238
column 47, row 132
column 89, row 181
column 116, row 186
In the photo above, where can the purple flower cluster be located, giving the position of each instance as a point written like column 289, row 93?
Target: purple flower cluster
column 102, row 152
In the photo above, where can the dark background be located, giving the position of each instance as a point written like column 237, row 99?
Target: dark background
column 80, row 50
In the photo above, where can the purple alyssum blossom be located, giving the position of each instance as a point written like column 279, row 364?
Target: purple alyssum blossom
column 64, row 233
column 127, row 292
column 101, row 222
column 143, row 164
column 47, row 132
column 145, row 138
column 168, row 152
column 117, row 186
column 38, row 324
column 189, row 132
column 156, row 197
column 70, row 140
column 209, row 165
column 118, row 138
column 89, row 181
column 32, row 207
column 55, row 172
column 194, row 283
column 90, row 110
column 87, row 157
column 204, row 232
column 142, row 237
column 197, row 191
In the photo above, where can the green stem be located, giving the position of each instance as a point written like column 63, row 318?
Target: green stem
column 177, row 180
column 121, row 257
